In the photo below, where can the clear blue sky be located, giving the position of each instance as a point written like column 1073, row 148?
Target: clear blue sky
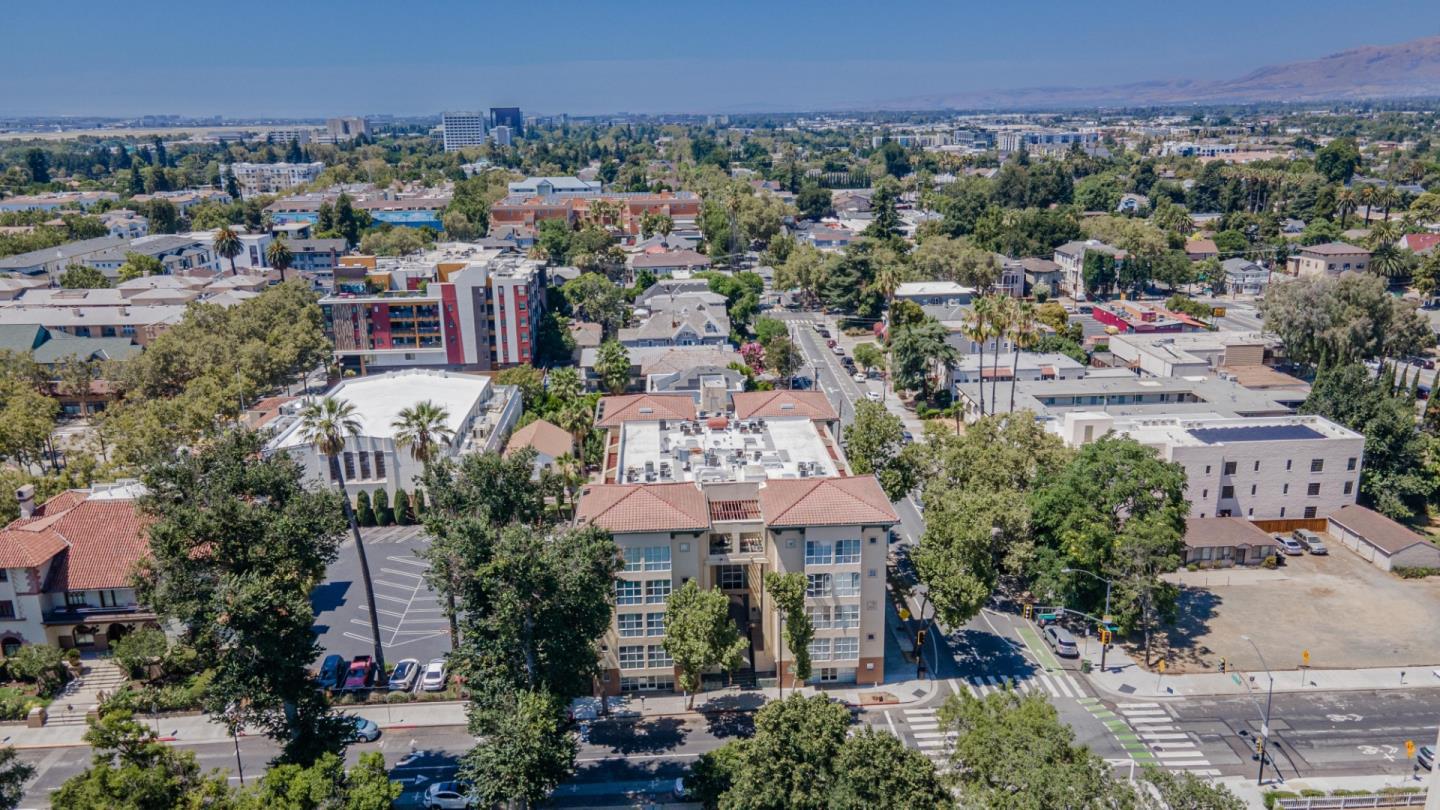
column 587, row 56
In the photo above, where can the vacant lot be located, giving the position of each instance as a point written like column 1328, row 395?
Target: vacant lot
column 1346, row 612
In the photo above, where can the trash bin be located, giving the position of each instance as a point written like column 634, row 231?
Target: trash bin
column 1085, row 667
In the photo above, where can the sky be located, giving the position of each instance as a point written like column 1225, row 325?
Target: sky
column 323, row 57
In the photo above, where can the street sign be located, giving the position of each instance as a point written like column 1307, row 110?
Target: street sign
column 1236, row 679
column 1305, row 656
column 1047, row 617
column 1162, row 664
column 1108, row 620
column 904, row 614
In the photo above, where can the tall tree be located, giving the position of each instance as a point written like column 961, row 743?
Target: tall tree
column 700, row 635
column 788, row 591
column 612, row 365
column 132, row 770
column 874, row 769
column 422, row 429
column 227, row 245
column 278, row 256
column 81, row 277
column 874, row 444
column 328, row 424
column 14, row 774
column 236, row 545
column 525, row 753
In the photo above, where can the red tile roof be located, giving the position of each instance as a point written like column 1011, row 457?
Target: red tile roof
column 614, row 411
column 776, row 404
column 825, row 502
column 625, row 508
column 544, row 436
column 1420, row 242
column 95, row 542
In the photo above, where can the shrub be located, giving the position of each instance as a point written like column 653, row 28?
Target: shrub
column 15, row 704
column 384, row 515
column 1273, row 797
column 403, row 517
column 1270, row 562
column 136, row 652
column 1414, row 572
column 364, row 515
column 398, row 697
column 1192, row 567
column 417, row 504
column 72, row 655
column 1311, row 793
column 186, row 696
column 39, row 664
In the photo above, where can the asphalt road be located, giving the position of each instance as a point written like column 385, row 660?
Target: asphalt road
column 412, row 624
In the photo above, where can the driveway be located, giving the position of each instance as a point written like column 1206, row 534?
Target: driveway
column 412, row 623
column 1346, row 612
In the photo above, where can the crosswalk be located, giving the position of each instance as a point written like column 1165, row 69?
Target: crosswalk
column 1054, row 684
column 1171, row 748
column 924, row 727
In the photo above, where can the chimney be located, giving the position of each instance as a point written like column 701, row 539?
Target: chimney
column 26, row 497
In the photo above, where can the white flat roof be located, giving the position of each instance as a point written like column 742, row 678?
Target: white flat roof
column 778, row 449
column 933, row 288
column 378, row 400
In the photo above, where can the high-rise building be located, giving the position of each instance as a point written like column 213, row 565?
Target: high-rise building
column 508, row 117
column 341, row 130
column 501, row 135
column 463, row 129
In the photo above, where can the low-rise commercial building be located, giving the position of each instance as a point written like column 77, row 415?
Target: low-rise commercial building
column 1329, row 259
column 1124, row 394
column 1192, row 353
column 973, row 368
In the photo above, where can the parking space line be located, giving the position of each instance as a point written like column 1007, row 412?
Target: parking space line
column 396, row 585
column 398, row 572
column 410, row 561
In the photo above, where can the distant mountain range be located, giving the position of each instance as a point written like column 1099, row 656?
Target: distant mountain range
column 1408, row 69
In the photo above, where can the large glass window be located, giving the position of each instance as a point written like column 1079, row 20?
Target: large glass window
column 847, row 584
column 847, row 647
column 847, row 551
column 632, row 657
column 657, row 591
column 818, row 585
column 655, row 624
column 820, row 649
column 631, row 624
column 660, row 658
column 820, row 617
column 817, row 553
column 647, row 558
column 627, row 593
column 732, row 577
column 847, row 616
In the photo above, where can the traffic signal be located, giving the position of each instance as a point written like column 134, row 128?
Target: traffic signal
column 1409, row 748
column 920, row 637
column 1105, row 636
column 1260, row 746
column 1162, row 665
column 1028, row 611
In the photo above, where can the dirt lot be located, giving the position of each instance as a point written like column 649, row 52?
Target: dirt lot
column 1346, row 612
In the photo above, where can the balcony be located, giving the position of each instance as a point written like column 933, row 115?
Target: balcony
column 731, row 549
column 73, row 614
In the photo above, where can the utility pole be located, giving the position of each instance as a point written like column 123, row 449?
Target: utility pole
column 1264, row 726
column 1432, row 797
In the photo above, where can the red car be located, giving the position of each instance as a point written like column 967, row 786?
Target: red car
column 830, row 344
column 361, row 674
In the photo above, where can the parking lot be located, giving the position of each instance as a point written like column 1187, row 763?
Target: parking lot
column 412, row 623
column 1345, row 611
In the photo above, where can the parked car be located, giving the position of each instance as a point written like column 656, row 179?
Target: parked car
column 860, row 377
column 830, row 344
column 872, row 396
column 1061, row 641
column 1425, row 757
column 361, row 674
column 907, row 437
column 1289, row 546
column 402, row 678
column 434, row 678
column 365, row 730
column 1310, row 540
column 331, row 672
column 448, row 796
column 800, row 383
column 839, row 350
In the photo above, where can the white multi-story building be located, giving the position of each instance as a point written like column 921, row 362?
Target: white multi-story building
column 1186, row 354
column 1024, row 366
column 722, row 493
column 270, row 178
column 463, row 129
column 344, row 130
column 501, row 135
column 480, row 414
column 1259, row 468
column 554, row 187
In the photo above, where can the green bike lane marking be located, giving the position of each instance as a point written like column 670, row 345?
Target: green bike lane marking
column 1038, row 649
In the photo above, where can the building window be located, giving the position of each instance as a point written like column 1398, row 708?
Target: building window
column 1285, row 489
column 1349, row 487
column 647, row 558
column 632, row 625
column 817, row 585
column 349, row 466
column 84, row 636
column 4, row 575
column 1313, row 489
column 847, row 617
column 820, row 649
column 847, row 584
column 1257, row 466
column 627, row 592
column 1252, row 489
column 1289, row 463
column 655, row 624
column 7, row 609
column 75, row 599
column 379, row 465
column 646, row 683
column 732, row 577
column 1227, row 491
column 1317, row 465
column 847, row 647
column 819, row 553
column 1350, row 463
column 632, row 657
column 364, row 465
column 109, row 599
column 1229, row 468
column 847, row 551
column 657, row 591
column 829, row 675
column 820, row 617
column 1310, row 511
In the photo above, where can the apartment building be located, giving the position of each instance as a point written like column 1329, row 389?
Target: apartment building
column 55, row 200
column 271, row 178
column 344, row 130
column 1258, row 468
column 463, row 129
column 1145, row 318
column 459, row 306
column 1329, row 259
column 554, row 187
column 412, row 209
column 186, row 199
column 479, row 416
column 722, row 492
column 1044, row 140
column 1071, row 258
column 973, row 368
column 1121, row 393
column 521, row 211
column 176, row 253
column 52, row 262
column 1192, row 353
column 508, row 117
column 65, row 568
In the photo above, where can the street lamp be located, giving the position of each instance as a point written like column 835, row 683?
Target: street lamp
column 1106, row 615
column 1264, row 726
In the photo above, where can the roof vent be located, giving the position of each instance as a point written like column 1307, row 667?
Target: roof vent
column 787, row 406
column 647, row 410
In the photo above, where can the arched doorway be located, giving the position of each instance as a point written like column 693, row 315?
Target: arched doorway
column 9, row 646
column 115, row 632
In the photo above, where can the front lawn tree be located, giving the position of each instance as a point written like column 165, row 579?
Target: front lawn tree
column 875, row 444
column 700, row 635
column 788, row 591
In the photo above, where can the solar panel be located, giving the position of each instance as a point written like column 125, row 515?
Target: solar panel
column 1255, row 433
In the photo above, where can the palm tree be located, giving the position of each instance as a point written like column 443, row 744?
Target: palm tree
column 1389, row 261
column 422, row 428
column 327, row 425
column 227, row 244
column 1023, row 332
column 1000, row 323
column 1382, row 233
column 887, row 278
column 1346, row 203
column 976, row 327
column 564, row 384
column 571, row 472
column 1366, row 196
column 577, row 419
column 279, row 256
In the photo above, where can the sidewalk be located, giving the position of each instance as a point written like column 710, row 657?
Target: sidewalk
column 1124, row 677
column 198, row 728
column 1253, row 795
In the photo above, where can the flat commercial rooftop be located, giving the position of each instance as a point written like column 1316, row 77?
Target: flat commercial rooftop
column 1255, row 433
column 723, row 449
column 379, row 399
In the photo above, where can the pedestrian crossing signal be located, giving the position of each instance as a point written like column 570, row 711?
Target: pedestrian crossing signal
column 1028, row 611
column 1409, row 748
column 1105, row 636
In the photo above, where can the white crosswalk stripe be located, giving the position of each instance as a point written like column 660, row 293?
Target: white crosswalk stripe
column 1137, row 705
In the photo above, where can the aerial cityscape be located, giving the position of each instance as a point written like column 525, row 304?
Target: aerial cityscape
column 745, row 407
